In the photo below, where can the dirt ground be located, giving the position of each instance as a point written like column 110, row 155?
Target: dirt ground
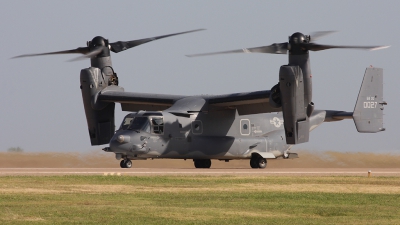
column 101, row 159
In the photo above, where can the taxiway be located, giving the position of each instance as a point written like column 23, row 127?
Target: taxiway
column 206, row 172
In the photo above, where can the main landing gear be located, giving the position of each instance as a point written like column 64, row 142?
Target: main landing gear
column 125, row 163
column 258, row 162
column 202, row 163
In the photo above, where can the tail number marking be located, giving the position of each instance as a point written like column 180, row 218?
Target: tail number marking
column 370, row 105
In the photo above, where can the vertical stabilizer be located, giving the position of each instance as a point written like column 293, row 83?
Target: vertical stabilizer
column 368, row 112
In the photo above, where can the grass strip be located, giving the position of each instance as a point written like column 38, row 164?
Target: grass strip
column 199, row 200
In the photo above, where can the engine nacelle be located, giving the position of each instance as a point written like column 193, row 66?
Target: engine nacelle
column 99, row 115
column 275, row 100
column 296, row 122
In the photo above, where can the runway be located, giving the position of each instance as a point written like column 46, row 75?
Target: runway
column 205, row 172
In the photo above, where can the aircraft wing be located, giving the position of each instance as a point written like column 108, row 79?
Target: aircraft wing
column 245, row 103
column 131, row 101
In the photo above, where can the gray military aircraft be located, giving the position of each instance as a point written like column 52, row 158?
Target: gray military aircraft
column 256, row 125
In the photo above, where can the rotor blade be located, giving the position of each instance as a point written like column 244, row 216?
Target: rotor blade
column 120, row 46
column 81, row 50
column 319, row 34
column 277, row 48
column 91, row 54
column 318, row 47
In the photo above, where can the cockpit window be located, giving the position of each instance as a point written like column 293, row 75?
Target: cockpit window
column 126, row 122
column 140, row 123
column 157, row 124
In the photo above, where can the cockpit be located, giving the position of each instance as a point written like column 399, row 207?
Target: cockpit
column 140, row 124
column 147, row 122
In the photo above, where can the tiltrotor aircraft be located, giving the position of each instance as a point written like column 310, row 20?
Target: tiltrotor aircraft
column 256, row 125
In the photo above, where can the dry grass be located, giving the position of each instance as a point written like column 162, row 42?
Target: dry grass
column 128, row 189
column 100, row 159
column 190, row 184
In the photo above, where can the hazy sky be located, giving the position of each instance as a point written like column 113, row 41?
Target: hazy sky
column 41, row 106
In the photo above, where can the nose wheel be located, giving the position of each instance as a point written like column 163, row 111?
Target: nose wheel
column 126, row 163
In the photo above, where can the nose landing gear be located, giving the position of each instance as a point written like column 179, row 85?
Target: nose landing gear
column 126, row 163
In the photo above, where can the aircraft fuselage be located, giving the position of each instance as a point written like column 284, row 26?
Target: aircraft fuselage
column 200, row 135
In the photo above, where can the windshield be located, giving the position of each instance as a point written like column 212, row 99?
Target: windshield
column 140, row 123
column 126, row 122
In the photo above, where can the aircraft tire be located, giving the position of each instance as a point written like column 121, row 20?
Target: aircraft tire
column 207, row 163
column 197, row 163
column 202, row 163
column 262, row 163
column 253, row 163
column 127, row 163
column 122, row 164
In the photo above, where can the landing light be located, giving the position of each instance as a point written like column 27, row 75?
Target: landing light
column 122, row 139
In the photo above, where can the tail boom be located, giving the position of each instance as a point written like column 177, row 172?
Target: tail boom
column 368, row 111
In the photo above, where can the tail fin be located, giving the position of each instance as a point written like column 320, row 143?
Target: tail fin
column 368, row 112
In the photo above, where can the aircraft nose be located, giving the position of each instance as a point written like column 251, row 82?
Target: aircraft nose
column 122, row 143
column 123, row 138
column 118, row 147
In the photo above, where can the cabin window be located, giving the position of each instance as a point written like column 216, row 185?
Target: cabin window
column 157, row 124
column 197, row 127
column 245, row 127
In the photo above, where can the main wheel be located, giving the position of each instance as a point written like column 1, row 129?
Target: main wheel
column 202, row 163
column 128, row 163
column 262, row 163
column 122, row 164
column 253, row 163
column 197, row 163
column 207, row 163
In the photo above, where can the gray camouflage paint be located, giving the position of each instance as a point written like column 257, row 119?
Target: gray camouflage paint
column 223, row 135
column 225, row 127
